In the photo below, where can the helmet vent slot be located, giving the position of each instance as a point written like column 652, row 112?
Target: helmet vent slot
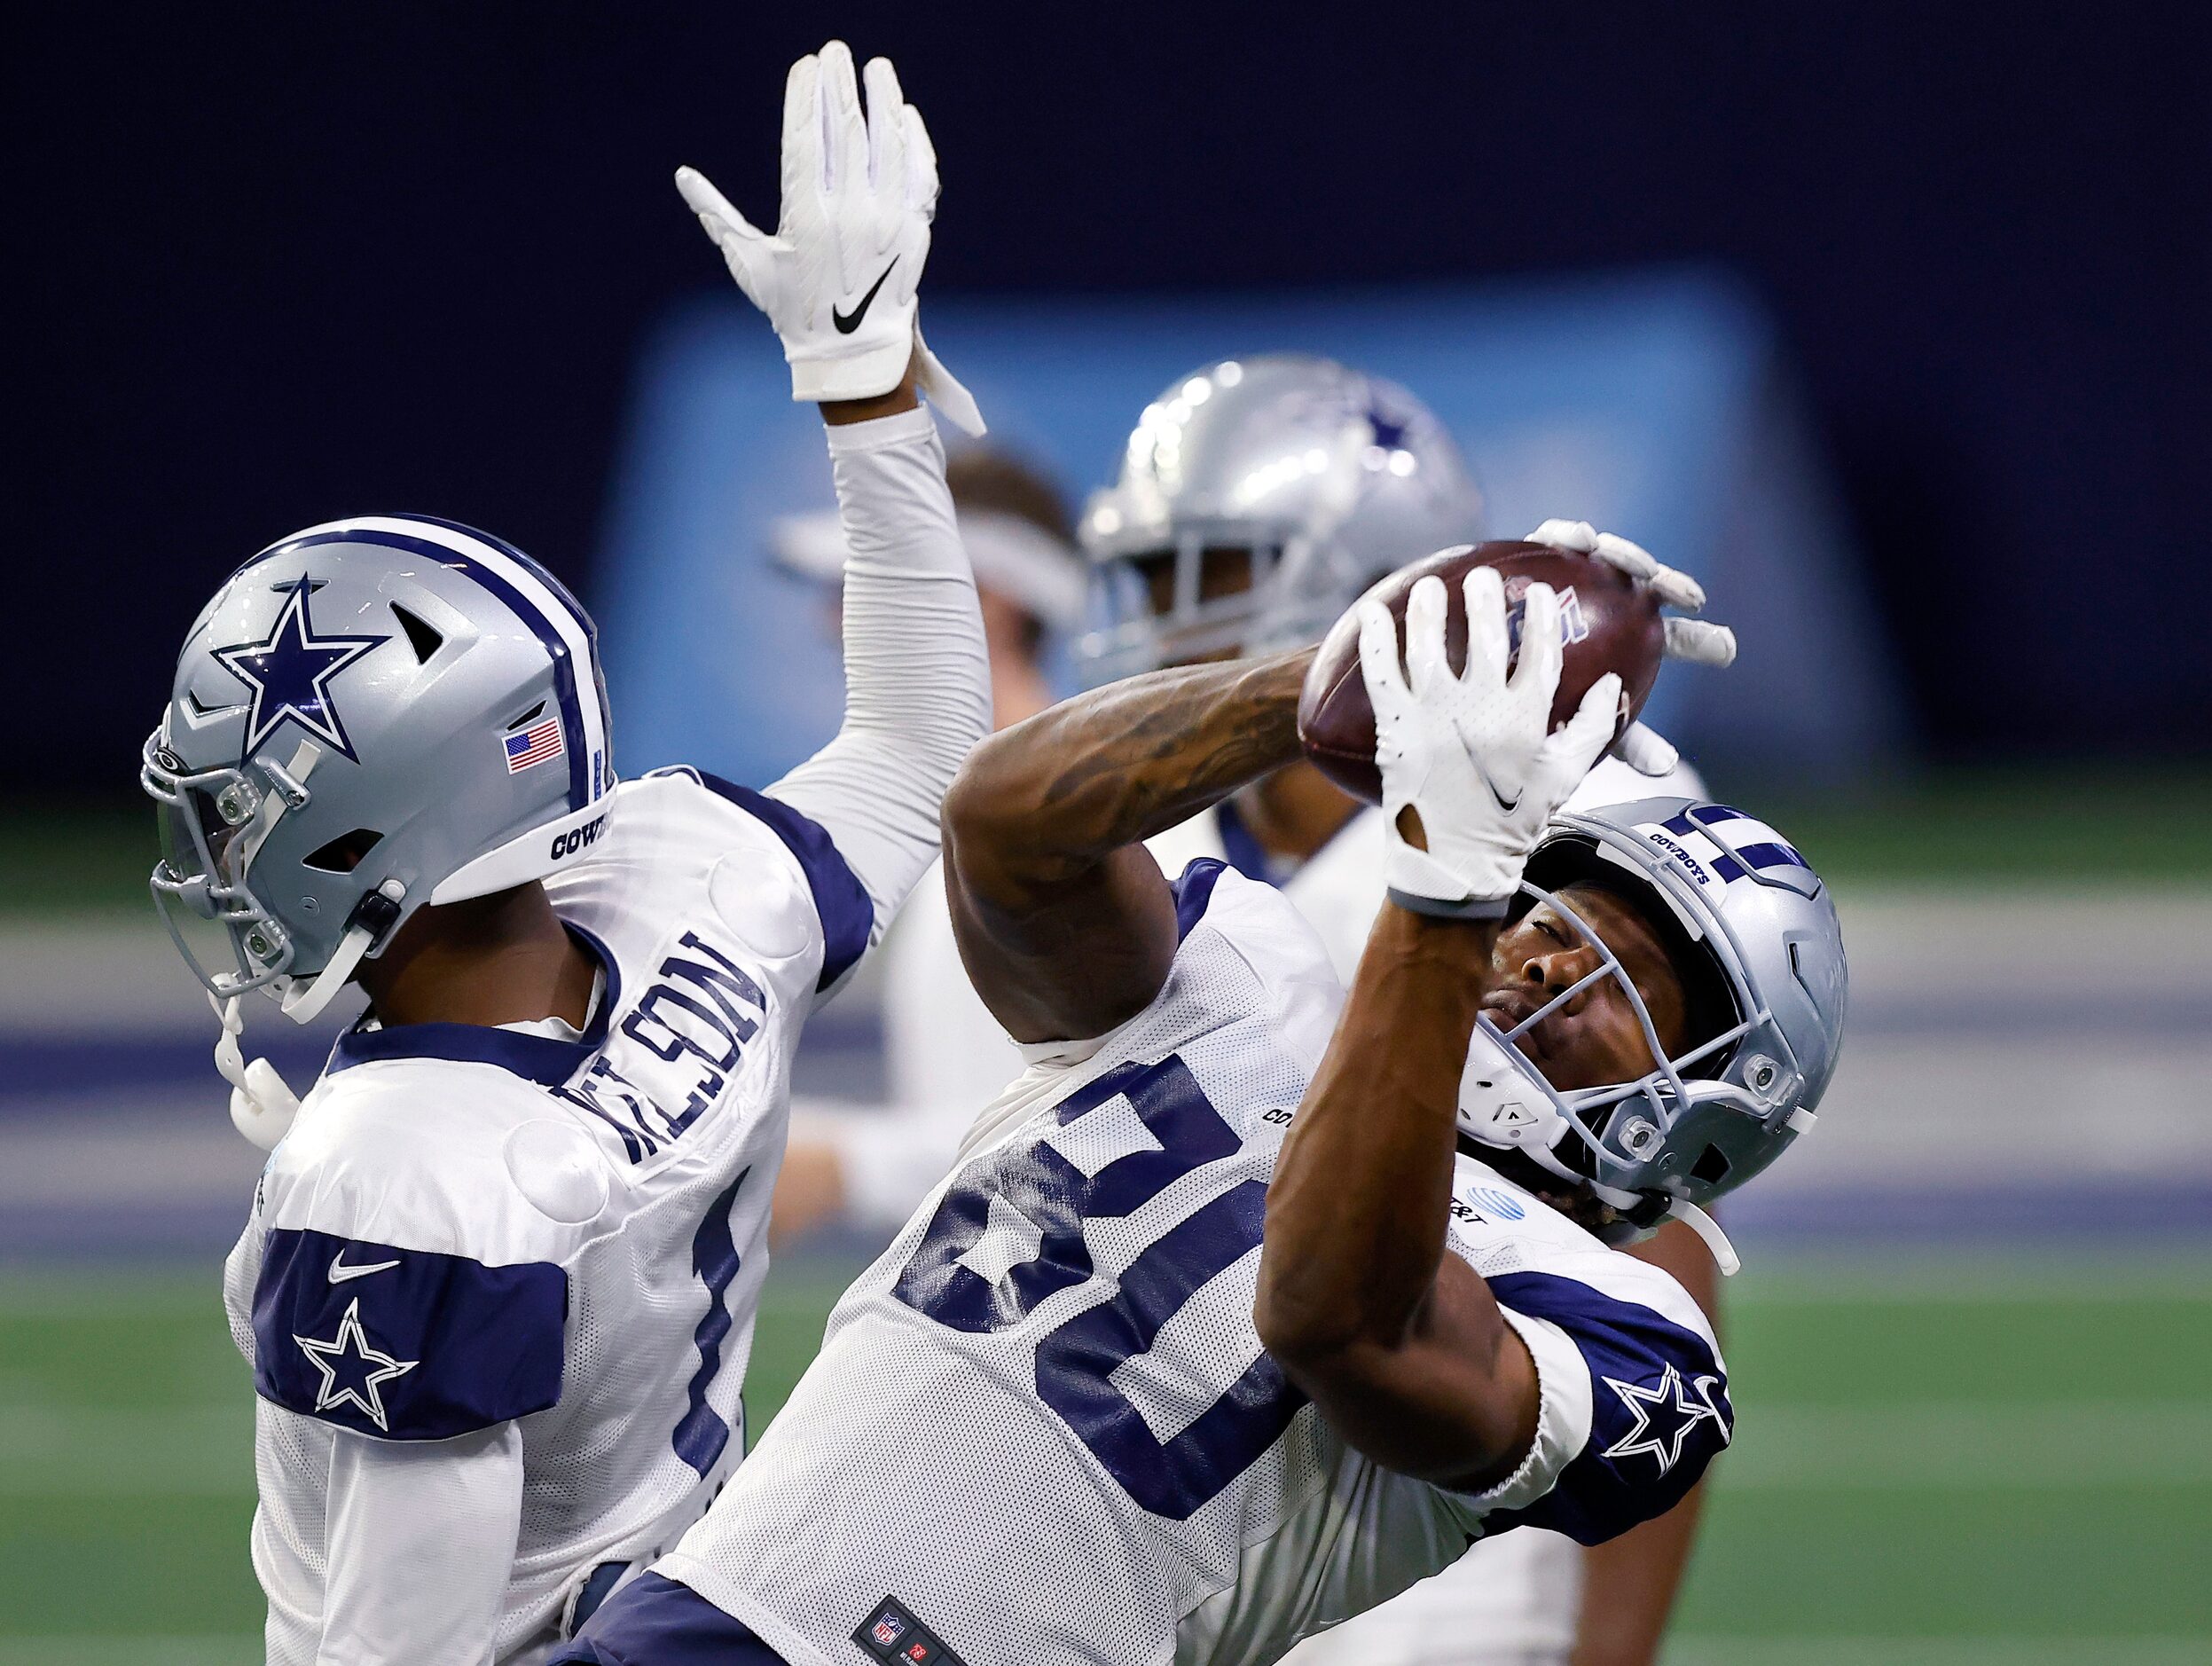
column 1711, row 1167
column 200, row 708
column 425, row 638
column 530, row 716
column 344, row 853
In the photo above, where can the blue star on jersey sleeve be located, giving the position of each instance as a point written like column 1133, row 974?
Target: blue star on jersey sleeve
column 353, row 1372
column 1659, row 1411
column 1667, row 1415
column 407, row 1345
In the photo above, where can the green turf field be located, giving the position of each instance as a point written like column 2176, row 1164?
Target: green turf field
column 1960, row 1465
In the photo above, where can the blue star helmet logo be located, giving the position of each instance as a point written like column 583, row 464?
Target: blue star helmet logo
column 290, row 673
column 1665, row 1416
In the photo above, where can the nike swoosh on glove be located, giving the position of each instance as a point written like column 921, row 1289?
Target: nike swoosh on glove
column 838, row 280
column 1698, row 640
column 1473, row 756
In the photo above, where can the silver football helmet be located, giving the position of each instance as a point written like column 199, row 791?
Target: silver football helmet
column 1757, row 923
column 370, row 715
column 1328, row 478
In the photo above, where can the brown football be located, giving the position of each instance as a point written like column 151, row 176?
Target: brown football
column 1611, row 623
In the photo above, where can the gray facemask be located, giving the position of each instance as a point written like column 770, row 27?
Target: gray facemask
column 1707, row 1119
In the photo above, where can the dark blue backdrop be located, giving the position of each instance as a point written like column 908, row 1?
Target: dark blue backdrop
column 274, row 269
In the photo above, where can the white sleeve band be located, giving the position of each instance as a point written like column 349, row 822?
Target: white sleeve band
column 1563, row 1413
column 421, row 1541
column 917, row 676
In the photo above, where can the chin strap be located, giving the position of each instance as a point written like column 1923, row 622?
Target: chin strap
column 303, row 1003
column 262, row 1105
column 1708, row 1228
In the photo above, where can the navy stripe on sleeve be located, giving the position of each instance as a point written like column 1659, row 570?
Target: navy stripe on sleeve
column 409, row 1344
column 1194, row 890
column 847, row 916
column 1659, row 1411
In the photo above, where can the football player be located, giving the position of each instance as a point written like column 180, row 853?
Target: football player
column 1258, row 497
column 498, row 1280
column 1222, row 1331
column 1224, row 535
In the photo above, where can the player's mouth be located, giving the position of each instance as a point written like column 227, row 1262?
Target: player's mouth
column 1514, row 1005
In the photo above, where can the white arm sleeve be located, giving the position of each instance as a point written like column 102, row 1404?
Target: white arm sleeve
column 917, row 677
column 420, row 1541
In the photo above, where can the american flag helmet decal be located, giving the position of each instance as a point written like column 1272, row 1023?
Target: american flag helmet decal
column 533, row 745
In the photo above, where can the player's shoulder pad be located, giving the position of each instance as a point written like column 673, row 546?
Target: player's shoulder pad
column 413, row 1282
column 1634, row 1396
column 441, row 1155
column 841, row 903
column 1215, row 903
column 1259, row 920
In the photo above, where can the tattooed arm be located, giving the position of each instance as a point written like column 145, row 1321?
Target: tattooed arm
column 1064, row 920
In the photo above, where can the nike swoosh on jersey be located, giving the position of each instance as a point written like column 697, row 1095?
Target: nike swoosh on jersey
column 848, row 322
column 339, row 1272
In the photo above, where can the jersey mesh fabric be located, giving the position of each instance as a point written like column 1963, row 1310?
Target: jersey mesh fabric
column 288, row 1544
column 1014, row 1431
column 664, row 1278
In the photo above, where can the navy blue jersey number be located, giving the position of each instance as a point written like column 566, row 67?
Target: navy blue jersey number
column 1052, row 1197
column 702, row 1432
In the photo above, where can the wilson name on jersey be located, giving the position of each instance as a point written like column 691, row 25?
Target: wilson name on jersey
column 467, row 1225
column 1042, row 1427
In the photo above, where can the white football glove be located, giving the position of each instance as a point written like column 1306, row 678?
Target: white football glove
column 1699, row 640
column 1474, row 756
column 838, row 278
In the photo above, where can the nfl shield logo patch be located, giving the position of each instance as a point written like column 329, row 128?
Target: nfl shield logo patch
column 892, row 1635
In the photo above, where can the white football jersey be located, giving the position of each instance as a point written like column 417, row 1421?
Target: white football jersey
column 1042, row 1427
column 468, row 1226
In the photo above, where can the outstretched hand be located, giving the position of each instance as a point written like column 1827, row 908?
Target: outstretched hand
column 838, row 278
